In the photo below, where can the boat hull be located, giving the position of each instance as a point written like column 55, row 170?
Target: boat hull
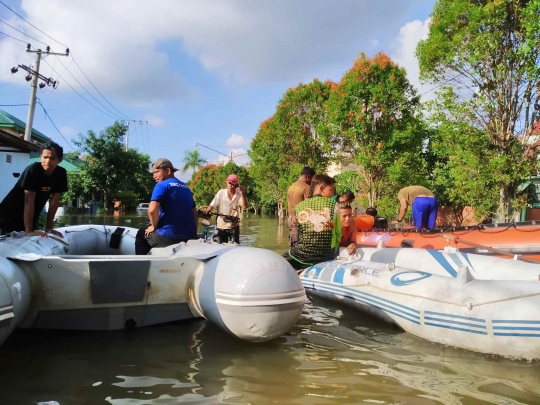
column 482, row 315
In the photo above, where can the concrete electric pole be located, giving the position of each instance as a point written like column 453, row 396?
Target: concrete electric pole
column 34, row 73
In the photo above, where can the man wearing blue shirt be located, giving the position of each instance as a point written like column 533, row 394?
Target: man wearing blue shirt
column 172, row 213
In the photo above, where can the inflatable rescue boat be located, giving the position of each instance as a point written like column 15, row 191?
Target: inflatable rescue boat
column 91, row 279
column 481, row 303
column 516, row 238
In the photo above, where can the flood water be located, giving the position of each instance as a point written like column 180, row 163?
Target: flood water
column 333, row 355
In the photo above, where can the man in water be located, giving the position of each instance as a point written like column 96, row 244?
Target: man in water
column 315, row 218
column 20, row 209
column 423, row 203
column 299, row 191
column 172, row 213
column 227, row 202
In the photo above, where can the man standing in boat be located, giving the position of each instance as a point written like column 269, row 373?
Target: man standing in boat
column 423, row 203
column 299, row 191
column 172, row 213
column 228, row 201
column 39, row 183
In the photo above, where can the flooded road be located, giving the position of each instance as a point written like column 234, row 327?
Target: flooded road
column 333, row 355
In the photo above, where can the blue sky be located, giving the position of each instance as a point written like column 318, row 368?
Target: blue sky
column 198, row 71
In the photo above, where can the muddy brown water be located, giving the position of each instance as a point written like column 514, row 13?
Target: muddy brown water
column 333, row 355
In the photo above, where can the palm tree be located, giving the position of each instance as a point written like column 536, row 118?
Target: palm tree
column 192, row 160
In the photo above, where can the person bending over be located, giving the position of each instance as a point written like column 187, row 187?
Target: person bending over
column 20, row 209
column 227, row 202
column 347, row 197
column 172, row 213
column 315, row 218
column 423, row 203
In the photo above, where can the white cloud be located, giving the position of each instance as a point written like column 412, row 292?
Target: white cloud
column 239, row 160
column 126, row 46
column 68, row 131
column 236, row 140
column 405, row 51
column 374, row 42
column 154, row 120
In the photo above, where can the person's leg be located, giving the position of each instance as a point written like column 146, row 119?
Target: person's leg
column 141, row 243
column 236, row 234
column 222, row 236
column 299, row 267
column 432, row 220
column 417, row 213
column 155, row 240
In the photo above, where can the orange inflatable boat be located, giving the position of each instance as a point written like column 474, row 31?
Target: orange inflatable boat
column 516, row 238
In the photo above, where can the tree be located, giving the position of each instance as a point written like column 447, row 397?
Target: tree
column 488, row 52
column 109, row 170
column 288, row 141
column 373, row 121
column 208, row 180
column 192, row 160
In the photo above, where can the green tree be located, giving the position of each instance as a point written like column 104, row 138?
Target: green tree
column 488, row 52
column 192, row 160
column 208, row 180
column 373, row 122
column 109, row 171
column 288, row 141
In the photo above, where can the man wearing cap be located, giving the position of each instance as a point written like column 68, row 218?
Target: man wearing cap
column 227, row 202
column 172, row 213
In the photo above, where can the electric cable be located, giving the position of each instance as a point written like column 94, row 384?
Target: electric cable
column 13, row 105
column 16, row 39
column 24, row 33
column 52, row 122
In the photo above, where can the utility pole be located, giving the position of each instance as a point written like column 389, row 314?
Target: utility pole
column 34, row 76
column 127, row 135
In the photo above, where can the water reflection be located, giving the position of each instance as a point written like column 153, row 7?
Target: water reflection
column 333, row 355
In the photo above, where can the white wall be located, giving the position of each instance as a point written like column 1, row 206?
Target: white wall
column 19, row 161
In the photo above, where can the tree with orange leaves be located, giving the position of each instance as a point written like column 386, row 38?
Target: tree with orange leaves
column 373, row 122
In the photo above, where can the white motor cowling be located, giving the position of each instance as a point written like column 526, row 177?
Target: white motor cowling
column 252, row 293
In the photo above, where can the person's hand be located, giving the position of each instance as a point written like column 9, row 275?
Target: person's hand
column 395, row 222
column 241, row 190
column 54, row 232
column 149, row 230
column 351, row 249
column 37, row 233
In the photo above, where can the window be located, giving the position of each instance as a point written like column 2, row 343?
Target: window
column 8, row 158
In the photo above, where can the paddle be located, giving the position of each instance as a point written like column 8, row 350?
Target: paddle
column 457, row 239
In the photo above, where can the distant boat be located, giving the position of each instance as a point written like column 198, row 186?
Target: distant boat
column 142, row 207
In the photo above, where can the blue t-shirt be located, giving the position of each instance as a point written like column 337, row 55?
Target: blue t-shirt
column 176, row 209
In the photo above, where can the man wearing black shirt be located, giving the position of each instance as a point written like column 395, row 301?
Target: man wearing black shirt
column 20, row 209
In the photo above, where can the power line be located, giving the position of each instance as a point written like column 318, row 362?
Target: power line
column 24, row 33
column 9, row 84
column 9, row 94
column 12, row 105
column 87, row 78
column 80, row 95
column 91, row 95
column 16, row 39
column 48, row 116
column 21, row 17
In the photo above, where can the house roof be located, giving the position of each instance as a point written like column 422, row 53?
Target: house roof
column 70, row 167
column 10, row 140
column 9, row 121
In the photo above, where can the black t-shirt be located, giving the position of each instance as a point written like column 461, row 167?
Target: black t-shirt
column 32, row 179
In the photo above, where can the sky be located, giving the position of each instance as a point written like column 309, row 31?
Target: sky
column 192, row 71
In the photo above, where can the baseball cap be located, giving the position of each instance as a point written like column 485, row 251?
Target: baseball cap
column 163, row 163
column 233, row 178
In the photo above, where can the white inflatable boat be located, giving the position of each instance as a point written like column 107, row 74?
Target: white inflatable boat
column 92, row 280
column 480, row 303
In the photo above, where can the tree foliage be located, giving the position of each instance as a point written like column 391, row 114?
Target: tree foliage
column 488, row 52
column 193, row 160
column 109, row 171
column 288, row 141
column 208, row 180
column 373, row 122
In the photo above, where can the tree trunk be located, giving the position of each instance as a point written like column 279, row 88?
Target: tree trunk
column 280, row 210
column 105, row 202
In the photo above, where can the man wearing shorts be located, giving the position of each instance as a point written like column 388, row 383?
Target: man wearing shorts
column 172, row 213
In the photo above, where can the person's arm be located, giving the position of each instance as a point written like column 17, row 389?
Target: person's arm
column 214, row 203
column 402, row 209
column 243, row 200
column 351, row 248
column 29, row 199
column 54, row 203
column 196, row 216
column 153, row 216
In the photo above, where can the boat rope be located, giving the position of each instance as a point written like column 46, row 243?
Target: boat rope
column 468, row 305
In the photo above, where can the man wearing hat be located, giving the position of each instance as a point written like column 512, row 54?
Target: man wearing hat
column 227, row 202
column 172, row 212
